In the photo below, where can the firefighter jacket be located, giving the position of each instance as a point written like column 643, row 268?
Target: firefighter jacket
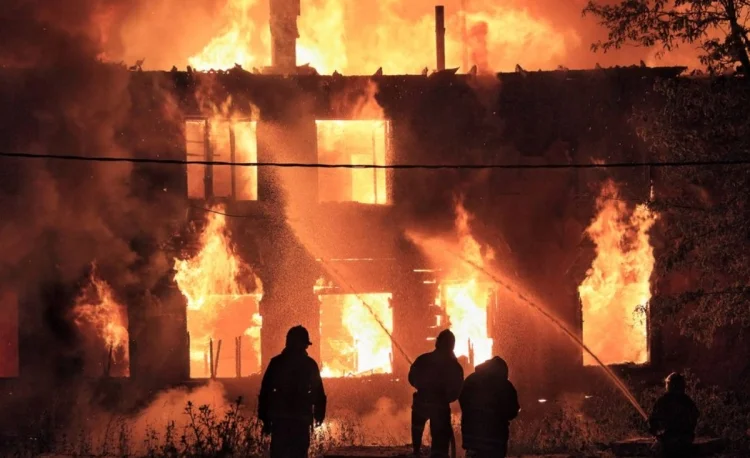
column 674, row 418
column 437, row 377
column 292, row 389
column 489, row 402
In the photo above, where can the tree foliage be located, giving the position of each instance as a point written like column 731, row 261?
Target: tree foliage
column 705, row 209
column 718, row 27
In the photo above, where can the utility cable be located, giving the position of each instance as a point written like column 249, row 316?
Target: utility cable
column 619, row 165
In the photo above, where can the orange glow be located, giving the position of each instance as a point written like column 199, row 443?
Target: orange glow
column 222, row 302
column 353, row 343
column 466, row 297
column 241, row 183
column 233, row 45
column 356, row 142
column 360, row 37
column 322, row 41
column 616, row 291
column 96, row 309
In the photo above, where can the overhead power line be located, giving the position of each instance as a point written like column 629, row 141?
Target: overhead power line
column 620, row 165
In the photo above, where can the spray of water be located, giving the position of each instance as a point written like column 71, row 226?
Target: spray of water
column 340, row 279
column 551, row 318
column 556, row 322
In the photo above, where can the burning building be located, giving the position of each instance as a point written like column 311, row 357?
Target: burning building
column 375, row 261
column 292, row 212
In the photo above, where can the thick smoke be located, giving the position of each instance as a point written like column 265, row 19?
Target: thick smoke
column 165, row 419
column 59, row 217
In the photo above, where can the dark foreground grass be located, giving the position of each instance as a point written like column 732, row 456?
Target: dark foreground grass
column 573, row 425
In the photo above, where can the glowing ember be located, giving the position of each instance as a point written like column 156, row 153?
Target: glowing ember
column 96, row 309
column 465, row 299
column 616, row 291
column 352, row 142
column 353, row 343
column 360, row 37
column 222, row 302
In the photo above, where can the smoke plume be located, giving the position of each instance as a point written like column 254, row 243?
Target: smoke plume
column 58, row 98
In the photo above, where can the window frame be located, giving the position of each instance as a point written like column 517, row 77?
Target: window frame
column 208, row 156
column 383, row 190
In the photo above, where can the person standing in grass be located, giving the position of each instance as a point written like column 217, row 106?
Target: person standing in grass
column 673, row 420
column 292, row 399
column 489, row 402
column 437, row 377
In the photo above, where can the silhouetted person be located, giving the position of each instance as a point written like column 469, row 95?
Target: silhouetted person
column 674, row 419
column 291, row 397
column 488, row 403
column 438, row 377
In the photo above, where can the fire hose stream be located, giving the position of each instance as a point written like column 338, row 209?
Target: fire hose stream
column 340, row 278
column 551, row 318
column 611, row 375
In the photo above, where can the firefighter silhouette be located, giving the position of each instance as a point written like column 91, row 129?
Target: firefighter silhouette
column 437, row 377
column 292, row 399
column 673, row 419
column 489, row 402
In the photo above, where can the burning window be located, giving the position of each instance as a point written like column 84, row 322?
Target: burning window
column 616, row 291
column 223, row 295
column 353, row 341
column 221, row 141
column 103, row 322
column 8, row 334
column 225, row 336
column 466, row 308
column 353, row 143
column 465, row 294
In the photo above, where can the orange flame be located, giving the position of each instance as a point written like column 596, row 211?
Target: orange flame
column 353, row 342
column 362, row 139
column 219, row 304
column 357, row 143
column 233, row 45
column 466, row 297
column 616, row 291
column 358, row 38
column 228, row 181
column 96, row 308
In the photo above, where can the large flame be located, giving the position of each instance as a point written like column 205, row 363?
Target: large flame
column 97, row 309
column 222, row 301
column 233, row 45
column 465, row 297
column 353, row 342
column 616, row 291
column 359, row 37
